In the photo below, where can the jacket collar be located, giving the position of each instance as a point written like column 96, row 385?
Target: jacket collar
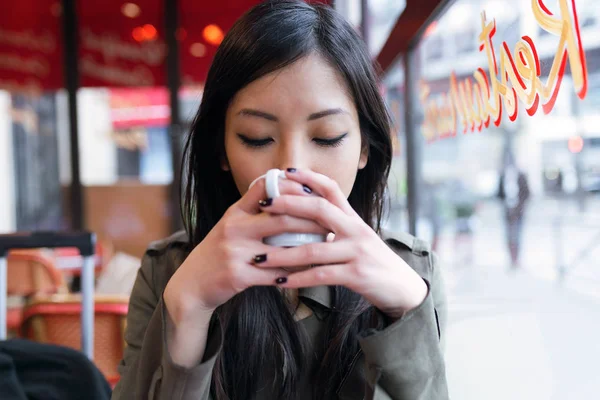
column 319, row 294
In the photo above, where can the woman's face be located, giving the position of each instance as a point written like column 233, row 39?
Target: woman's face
column 301, row 116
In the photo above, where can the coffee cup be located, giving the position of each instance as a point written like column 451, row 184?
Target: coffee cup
column 288, row 239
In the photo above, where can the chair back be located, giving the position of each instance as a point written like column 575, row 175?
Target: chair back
column 30, row 272
column 57, row 320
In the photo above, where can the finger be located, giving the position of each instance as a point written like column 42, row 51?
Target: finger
column 266, row 224
column 314, row 253
column 264, row 277
column 249, row 201
column 290, row 187
column 257, row 192
column 326, row 275
column 317, row 209
column 323, row 185
column 246, row 274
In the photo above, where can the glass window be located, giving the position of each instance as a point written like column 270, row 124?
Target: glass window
column 31, row 163
column 508, row 128
column 126, row 164
column 124, row 136
column 31, row 118
column 383, row 17
column 393, row 84
column 124, row 115
column 434, row 50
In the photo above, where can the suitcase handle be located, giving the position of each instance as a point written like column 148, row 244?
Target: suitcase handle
column 84, row 241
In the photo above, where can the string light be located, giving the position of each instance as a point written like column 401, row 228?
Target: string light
column 213, row 34
column 130, row 10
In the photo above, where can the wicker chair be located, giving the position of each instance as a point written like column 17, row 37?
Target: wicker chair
column 69, row 260
column 56, row 320
column 29, row 273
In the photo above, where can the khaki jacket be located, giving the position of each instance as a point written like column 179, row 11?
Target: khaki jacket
column 403, row 361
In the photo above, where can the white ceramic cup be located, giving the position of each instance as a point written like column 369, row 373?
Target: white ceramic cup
column 288, row 239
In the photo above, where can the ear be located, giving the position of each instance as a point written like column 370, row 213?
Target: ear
column 364, row 156
column 225, row 164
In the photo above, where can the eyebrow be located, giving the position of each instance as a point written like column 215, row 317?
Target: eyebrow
column 248, row 112
column 270, row 117
column 326, row 113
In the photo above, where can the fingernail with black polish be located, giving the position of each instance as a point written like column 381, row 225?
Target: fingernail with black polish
column 291, row 170
column 265, row 203
column 307, row 189
column 281, row 280
column 261, row 258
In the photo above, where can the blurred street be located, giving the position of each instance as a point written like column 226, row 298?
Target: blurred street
column 526, row 333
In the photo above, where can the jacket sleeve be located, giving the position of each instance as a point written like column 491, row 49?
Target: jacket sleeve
column 147, row 371
column 405, row 360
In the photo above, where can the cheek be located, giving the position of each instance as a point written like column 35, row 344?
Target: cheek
column 345, row 180
column 342, row 167
column 244, row 165
column 244, row 173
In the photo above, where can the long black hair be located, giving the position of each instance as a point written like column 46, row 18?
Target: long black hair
column 259, row 329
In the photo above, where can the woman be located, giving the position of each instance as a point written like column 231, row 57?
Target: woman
column 218, row 314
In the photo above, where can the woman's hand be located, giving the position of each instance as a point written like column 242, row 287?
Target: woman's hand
column 221, row 266
column 357, row 258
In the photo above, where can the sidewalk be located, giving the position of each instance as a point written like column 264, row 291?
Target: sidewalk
column 512, row 335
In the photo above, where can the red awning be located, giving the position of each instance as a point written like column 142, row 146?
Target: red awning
column 121, row 43
column 30, row 45
column 116, row 50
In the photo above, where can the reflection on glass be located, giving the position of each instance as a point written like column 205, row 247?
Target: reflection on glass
column 393, row 88
column 507, row 114
column 384, row 14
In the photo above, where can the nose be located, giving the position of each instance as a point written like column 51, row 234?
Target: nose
column 292, row 155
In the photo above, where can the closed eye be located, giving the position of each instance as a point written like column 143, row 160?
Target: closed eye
column 255, row 143
column 333, row 142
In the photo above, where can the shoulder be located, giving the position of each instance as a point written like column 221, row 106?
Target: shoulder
column 177, row 240
column 164, row 256
column 418, row 255
column 406, row 243
column 414, row 251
